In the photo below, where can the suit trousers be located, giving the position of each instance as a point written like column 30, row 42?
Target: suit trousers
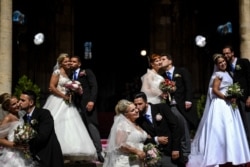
column 93, row 132
column 166, row 161
column 185, row 138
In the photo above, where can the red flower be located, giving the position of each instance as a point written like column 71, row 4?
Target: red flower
column 167, row 86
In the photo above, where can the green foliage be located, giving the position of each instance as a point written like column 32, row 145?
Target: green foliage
column 201, row 106
column 24, row 83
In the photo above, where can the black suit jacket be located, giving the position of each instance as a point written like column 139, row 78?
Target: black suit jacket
column 167, row 126
column 89, row 84
column 184, row 92
column 45, row 147
column 242, row 76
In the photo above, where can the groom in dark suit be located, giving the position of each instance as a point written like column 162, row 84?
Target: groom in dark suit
column 239, row 68
column 86, row 101
column 184, row 91
column 45, row 147
column 163, row 127
column 183, row 96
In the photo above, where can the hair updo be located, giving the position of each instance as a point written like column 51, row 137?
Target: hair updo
column 122, row 105
column 5, row 101
column 61, row 57
column 216, row 56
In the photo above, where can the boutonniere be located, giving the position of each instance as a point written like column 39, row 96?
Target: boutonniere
column 82, row 73
column 237, row 67
column 177, row 75
column 34, row 122
column 158, row 117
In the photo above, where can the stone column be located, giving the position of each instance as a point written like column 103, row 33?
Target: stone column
column 5, row 46
column 244, row 16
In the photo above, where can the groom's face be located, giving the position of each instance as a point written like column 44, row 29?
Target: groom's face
column 75, row 63
column 141, row 105
column 25, row 102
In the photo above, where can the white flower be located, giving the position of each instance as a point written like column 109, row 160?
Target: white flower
column 237, row 67
column 177, row 75
column 158, row 117
column 33, row 121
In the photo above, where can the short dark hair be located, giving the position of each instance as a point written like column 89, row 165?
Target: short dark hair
column 228, row 46
column 78, row 58
column 31, row 94
column 141, row 95
column 169, row 56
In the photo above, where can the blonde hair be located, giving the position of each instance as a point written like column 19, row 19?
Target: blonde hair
column 216, row 56
column 61, row 57
column 5, row 101
column 122, row 106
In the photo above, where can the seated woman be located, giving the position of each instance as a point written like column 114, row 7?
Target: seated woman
column 126, row 138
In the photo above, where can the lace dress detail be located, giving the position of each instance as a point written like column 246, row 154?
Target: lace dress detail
column 126, row 134
column 70, row 129
column 150, row 86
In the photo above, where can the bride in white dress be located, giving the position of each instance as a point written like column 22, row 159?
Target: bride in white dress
column 10, row 154
column 152, row 79
column 220, row 137
column 72, row 134
column 126, row 138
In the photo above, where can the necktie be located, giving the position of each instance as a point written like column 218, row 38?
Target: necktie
column 75, row 75
column 169, row 75
column 147, row 118
column 28, row 118
column 232, row 67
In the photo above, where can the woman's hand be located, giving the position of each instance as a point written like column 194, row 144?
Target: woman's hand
column 164, row 95
column 141, row 154
column 22, row 147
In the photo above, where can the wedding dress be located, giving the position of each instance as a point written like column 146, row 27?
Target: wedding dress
column 11, row 157
column 150, row 86
column 123, row 132
column 220, row 137
column 71, row 132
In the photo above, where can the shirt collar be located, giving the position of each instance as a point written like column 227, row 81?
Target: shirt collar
column 171, row 70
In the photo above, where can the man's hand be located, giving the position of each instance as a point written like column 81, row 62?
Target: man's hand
column 90, row 106
column 175, row 155
column 162, row 139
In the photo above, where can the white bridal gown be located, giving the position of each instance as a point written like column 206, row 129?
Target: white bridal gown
column 12, row 157
column 71, row 132
column 220, row 137
column 123, row 132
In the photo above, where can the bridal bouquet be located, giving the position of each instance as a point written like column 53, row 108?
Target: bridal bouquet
column 234, row 91
column 167, row 86
column 22, row 135
column 152, row 155
column 73, row 87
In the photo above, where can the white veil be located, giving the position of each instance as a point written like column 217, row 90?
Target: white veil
column 56, row 66
column 196, row 145
column 117, row 137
